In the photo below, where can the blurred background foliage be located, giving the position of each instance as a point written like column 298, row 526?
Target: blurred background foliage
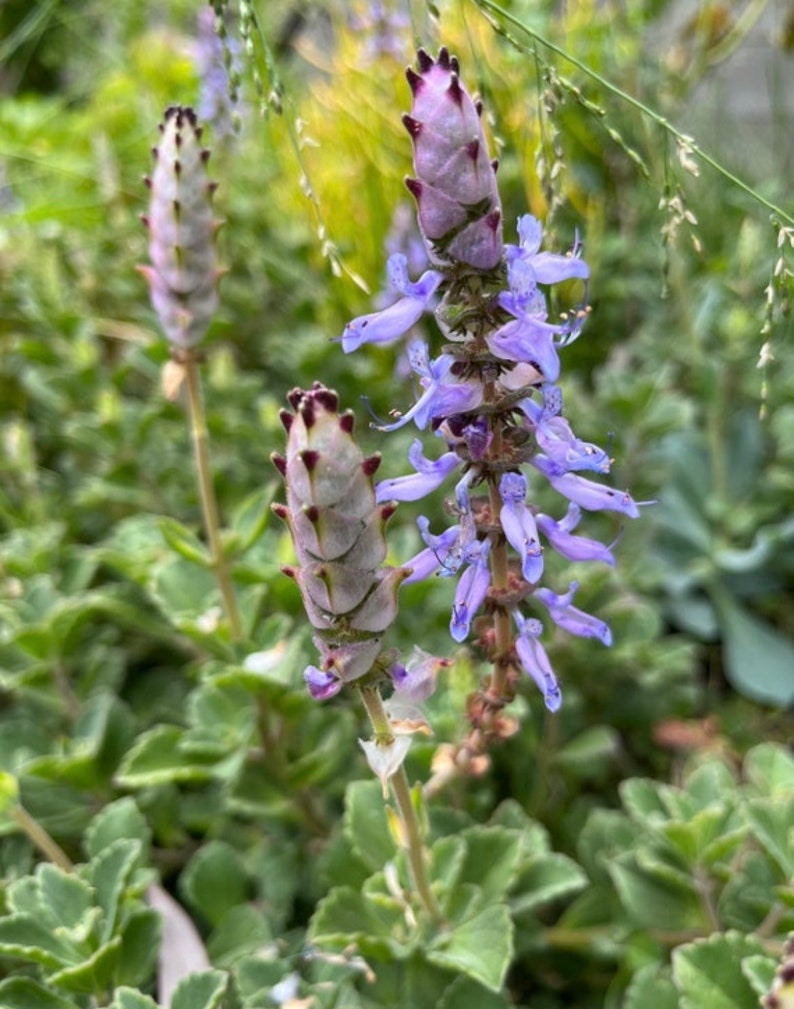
column 116, row 677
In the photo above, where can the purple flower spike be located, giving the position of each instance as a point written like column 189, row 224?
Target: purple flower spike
column 571, row 619
column 471, row 591
column 428, row 476
column 547, row 267
column 535, row 661
column 321, row 685
column 518, row 524
column 572, row 548
column 440, row 398
column 390, row 323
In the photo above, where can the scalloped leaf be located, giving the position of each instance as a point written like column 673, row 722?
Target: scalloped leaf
column 481, row 947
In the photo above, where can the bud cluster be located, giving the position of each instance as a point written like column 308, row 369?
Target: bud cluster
column 337, row 528
column 183, row 275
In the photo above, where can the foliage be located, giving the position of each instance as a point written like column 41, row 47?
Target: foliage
column 633, row 850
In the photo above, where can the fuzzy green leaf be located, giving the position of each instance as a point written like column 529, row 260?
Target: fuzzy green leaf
column 215, row 880
column 347, row 916
column 158, row 758
column 26, row 937
column 546, row 878
column 93, row 975
column 200, row 991
column 365, row 824
column 480, row 947
column 110, row 873
column 770, row 768
column 25, row 993
column 708, row 972
column 184, row 542
column 651, row 988
column 129, row 998
column 119, row 819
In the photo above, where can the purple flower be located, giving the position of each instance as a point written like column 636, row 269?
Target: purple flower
column 571, row 619
column 322, row 685
column 471, row 590
column 440, row 398
column 528, row 337
column 590, row 495
column 572, row 548
column 518, row 525
column 440, row 552
column 547, row 267
column 535, row 661
column 416, row 680
column 396, row 319
column 428, row 476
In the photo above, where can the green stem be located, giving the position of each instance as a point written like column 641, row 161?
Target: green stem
column 209, row 505
column 412, row 835
column 635, row 103
column 41, row 839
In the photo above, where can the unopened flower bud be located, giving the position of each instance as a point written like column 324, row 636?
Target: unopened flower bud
column 455, row 186
column 337, row 527
column 183, row 275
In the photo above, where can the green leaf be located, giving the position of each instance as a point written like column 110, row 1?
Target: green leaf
column 67, row 897
column 760, row 971
column 347, row 916
column 25, row 993
column 464, row 993
column 215, row 880
column 241, row 933
column 653, row 896
column 129, row 998
column 25, row 937
column 184, row 542
column 590, row 754
column 119, row 819
column 491, row 860
column 9, row 793
column 772, row 822
column 365, row 823
column 158, row 758
column 251, row 517
column 770, row 768
column 200, row 991
column 759, row 660
column 708, row 972
column 651, row 988
column 546, row 878
column 480, row 947
column 140, row 942
column 110, row 874
column 94, row 974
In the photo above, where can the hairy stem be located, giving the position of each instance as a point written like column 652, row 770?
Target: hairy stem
column 39, row 837
column 412, row 836
column 209, row 505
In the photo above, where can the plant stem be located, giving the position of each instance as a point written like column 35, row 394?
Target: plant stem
column 412, row 837
column 209, row 505
column 41, row 839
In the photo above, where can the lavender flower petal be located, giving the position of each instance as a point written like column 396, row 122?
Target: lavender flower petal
column 518, row 525
column 429, row 475
column 572, row 548
column 571, row 619
column 535, row 661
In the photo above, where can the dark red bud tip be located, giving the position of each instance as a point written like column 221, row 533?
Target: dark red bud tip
column 199, row 130
column 493, row 220
column 279, row 462
column 347, row 421
column 443, row 58
column 495, row 165
column 413, row 126
column 205, row 155
column 144, row 220
column 454, row 65
column 294, row 397
column 425, row 60
column 414, row 80
column 414, row 187
column 290, row 572
column 473, row 149
column 478, row 107
column 286, row 419
column 306, row 410
column 372, row 464
column 327, row 398
column 312, row 513
column 309, row 458
column 211, row 187
column 387, row 510
column 455, row 90
column 281, row 510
